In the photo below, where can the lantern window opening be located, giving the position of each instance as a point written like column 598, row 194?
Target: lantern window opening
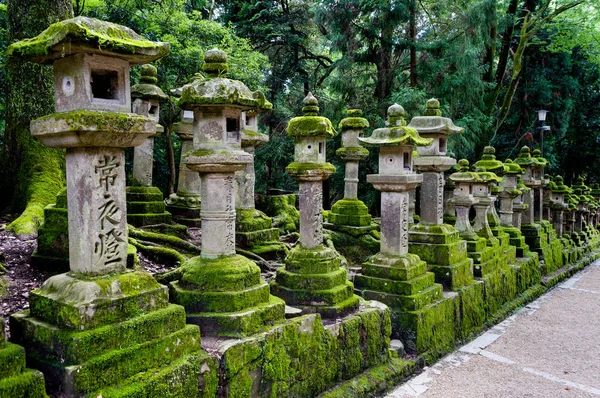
column 406, row 161
column 442, row 145
column 153, row 110
column 105, row 84
column 250, row 120
column 232, row 128
column 320, row 148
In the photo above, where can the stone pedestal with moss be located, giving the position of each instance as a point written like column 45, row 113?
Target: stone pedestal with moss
column 421, row 317
column 52, row 252
column 222, row 292
column 145, row 203
column 535, row 232
column 253, row 229
column 312, row 278
column 15, row 379
column 436, row 243
column 349, row 221
column 510, row 197
column 185, row 204
column 101, row 329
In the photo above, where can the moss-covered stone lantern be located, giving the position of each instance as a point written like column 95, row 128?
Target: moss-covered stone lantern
column 351, row 211
column 557, row 194
column 539, row 164
column 222, row 292
column 185, row 204
column 254, row 229
column 509, row 201
column 581, row 190
column 595, row 192
column 82, row 325
column 394, row 276
column 312, row 278
column 434, row 242
column 145, row 203
column 519, row 205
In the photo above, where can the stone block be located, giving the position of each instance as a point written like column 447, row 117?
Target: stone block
column 401, row 268
column 256, row 238
column 312, row 281
column 439, row 254
column 218, row 301
column 29, row 384
column 157, row 207
column 455, row 276
column 397, row 302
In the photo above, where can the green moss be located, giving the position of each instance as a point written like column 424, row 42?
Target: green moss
column 354, row 123
column 28, row 384
column 221, row 91
column 92, row 33
column 282, row 209
column 83, row 120
column 297, row 169
column 251, row 220
column 352, row 153
column 311, row 126
column 222, row 274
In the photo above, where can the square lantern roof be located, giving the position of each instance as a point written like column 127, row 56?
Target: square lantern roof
column 88, row 36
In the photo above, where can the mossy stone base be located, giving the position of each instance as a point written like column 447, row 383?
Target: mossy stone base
column 527, row 271
column 469, row 306
column 256, row 238
column 300, row 357
column 225, row 295
column 146, row 206
column 112, row 333
column 52, row 253
column 242, row 323
column 445, row 253
column 77, row 302
column 282, row 209
column 15, row 379
column 428, row 330
column 313, row 280
column 356, row 244
column 188, row 216
column 251, row 220
column 351, row 212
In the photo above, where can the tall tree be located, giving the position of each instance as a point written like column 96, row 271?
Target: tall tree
column 32, row 173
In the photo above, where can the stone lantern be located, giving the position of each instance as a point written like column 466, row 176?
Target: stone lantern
column 185, row 204
column 595, row 192
column 539, row 163
column 145, row 203
column 434, row 242
column 253, row 227
column 509, row 206
column 351, row 211
column 560, row 204
column 482, row 191
column 547, row 201
column 519, row 206
column 312, row 278
column 394, row 276
column 581, row 190
column 222, row 292
column 99, row 313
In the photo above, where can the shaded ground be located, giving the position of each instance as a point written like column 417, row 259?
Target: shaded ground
column 551, row 348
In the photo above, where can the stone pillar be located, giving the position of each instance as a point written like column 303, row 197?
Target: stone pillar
column 305, row 282
column 253, row 227
column 185, row 204
column 519, row 205
column 350, row 212
column 145, row 203
column 222, row 292
column 87, row 308
column 482, row 192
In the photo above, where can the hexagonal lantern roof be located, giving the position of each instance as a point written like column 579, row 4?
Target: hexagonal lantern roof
column 432, row 121
column 511, row 168
column 464, row 175
column 537, row 157
column 354, row 121
column 397, row 133
column 218, row 90
column 489, row 161
column 310, row 124
column 89, row 36
column 561, row 188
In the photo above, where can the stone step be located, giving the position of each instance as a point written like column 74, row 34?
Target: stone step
column 225, row 301
column 189, row 376
column 155, row 207
column 149, row 219
column 242, row 323
column 403, row 288
column 311, row 281
column 29, row 384
column 118, row 364
column 328, row 297
column 72, row 347
column 12, row 360
column 406, row 303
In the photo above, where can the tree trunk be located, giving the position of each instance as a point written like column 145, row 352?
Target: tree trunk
column 32, row 172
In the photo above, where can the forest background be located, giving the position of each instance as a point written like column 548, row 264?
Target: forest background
column 491, row 63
